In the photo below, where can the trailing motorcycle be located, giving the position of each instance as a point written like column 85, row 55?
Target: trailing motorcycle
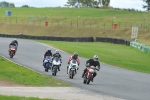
column 88, row 76
column 47, row 63
column 55, row 64
column 12, row 51
column 72, row 69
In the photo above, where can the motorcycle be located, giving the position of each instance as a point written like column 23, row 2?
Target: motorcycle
column 47, row 63
column 88, row 76
column 12, row 51
column 55, row 64
column 72, row 69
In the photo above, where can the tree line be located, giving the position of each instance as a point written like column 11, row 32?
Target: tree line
column 87, row 3
column 5, row 4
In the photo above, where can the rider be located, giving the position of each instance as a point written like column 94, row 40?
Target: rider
column 74, row 56
column 47, row 53
column 13, row 43
column 92, row 62
column 57, row 54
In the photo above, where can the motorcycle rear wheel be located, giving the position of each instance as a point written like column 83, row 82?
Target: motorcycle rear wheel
column 11, row 55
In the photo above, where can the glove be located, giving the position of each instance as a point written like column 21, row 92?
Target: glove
column 87, row 65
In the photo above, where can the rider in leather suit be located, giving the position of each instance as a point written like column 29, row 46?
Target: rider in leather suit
column 92, row 62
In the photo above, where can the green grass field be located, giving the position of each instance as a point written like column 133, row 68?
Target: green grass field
column 20, row 75
column 113, row 54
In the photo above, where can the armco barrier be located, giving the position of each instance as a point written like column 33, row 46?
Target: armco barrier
column 70, row 39
column 140, row 46
column 113, row 40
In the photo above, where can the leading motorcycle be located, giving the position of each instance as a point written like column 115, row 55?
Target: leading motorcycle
column 88, row 76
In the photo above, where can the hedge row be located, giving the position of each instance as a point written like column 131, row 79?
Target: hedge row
column 70, row 39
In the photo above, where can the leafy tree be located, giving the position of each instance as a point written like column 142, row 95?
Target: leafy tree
column 71, row 3
column 12, row 5
column 83, row 3
column 147, row 7
column 4, row 4
column 24, row 6
column 105, row 2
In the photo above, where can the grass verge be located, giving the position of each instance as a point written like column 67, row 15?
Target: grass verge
column 20, row 98
column 20, row 75
column 113, row 54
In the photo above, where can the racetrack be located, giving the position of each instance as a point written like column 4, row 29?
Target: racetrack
column 113, row 81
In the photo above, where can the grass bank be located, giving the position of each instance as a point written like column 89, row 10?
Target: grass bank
column 20, row 98
column 113, row 54
column 20, row 75
column 75, row 22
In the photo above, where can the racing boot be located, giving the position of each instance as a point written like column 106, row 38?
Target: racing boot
column 84, row 71
column 92, row 79
column 83, row 74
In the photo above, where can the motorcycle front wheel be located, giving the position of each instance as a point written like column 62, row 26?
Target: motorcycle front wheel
column 88, row 79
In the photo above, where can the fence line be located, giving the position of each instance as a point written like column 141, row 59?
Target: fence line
column 90, row 23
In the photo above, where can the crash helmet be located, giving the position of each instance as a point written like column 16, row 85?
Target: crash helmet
column 75, row 55
column 48, row 49
column 57, row 51
column 95, row 58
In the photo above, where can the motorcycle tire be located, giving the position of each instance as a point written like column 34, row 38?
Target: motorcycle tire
column 84, row 79
column 11, row 55
column 88, row 79
column 72, row 74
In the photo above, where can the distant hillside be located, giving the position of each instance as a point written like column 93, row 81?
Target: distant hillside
column 76, row 22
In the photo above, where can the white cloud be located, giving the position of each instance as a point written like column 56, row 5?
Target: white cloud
column 136, row 4
column 38, row 3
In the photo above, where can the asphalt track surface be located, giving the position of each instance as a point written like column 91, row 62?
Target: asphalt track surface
column 111, row 80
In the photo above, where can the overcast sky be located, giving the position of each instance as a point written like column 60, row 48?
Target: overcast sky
column 136, row 4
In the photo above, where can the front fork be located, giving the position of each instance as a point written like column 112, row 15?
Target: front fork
column 89, row 75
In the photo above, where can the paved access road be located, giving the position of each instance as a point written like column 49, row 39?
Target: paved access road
column 110, row 80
